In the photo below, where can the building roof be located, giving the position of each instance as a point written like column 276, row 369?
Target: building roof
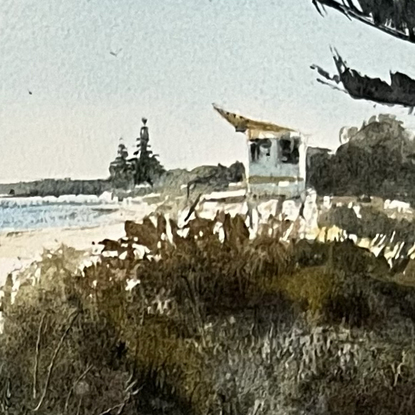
column 252, row 127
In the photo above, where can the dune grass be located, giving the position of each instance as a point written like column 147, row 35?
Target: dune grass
column 241, row 327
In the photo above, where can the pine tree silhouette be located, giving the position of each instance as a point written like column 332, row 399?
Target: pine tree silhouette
column 144, row 167
column 121, row 169
column 148, row 168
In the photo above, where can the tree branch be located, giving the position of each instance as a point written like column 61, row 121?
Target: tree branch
column 108, row 411
column 79, row 406
column 400, row 91
column 37, row 357
column 73, row 316
column 363, row 18
column 74, row 386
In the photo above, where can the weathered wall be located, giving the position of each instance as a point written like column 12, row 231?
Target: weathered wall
column 263, row 172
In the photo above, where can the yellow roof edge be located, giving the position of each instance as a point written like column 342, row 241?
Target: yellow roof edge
column 242, row 123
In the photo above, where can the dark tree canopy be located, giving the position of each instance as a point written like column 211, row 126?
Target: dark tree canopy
column 377, row 159
column 394, row 17
column 400, row 91
column 144, row 167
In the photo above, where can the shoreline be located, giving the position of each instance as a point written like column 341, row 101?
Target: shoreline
column 21, row 247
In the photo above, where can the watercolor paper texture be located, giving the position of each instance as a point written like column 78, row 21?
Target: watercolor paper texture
column 193, row 218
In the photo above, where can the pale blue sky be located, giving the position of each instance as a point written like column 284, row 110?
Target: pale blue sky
column 178, row 56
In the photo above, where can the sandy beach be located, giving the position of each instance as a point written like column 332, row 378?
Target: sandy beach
column 18, row 249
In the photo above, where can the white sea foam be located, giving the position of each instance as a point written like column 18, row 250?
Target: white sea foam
column 22, row 213
column 105, row 198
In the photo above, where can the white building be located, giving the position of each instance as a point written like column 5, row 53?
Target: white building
column 277, row 157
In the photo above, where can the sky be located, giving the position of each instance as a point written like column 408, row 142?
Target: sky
column 177, row 58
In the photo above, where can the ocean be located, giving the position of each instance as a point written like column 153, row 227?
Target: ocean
column 17, row 214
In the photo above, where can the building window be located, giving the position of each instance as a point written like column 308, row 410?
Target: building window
column 289, row 150
column 260, row 149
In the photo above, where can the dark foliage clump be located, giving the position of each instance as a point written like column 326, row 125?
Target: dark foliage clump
column 377, row 160
column 394, row 17
column 143, row 168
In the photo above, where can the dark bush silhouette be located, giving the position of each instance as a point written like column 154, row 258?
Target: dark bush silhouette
column 376, row 161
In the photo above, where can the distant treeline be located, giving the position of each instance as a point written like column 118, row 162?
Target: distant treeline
column 203, row 178
column 56, row 187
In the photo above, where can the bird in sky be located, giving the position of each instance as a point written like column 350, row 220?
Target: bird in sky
column 115, row 53
column 30, row 92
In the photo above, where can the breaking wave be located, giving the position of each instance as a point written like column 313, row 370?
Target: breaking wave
column 46, row 212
